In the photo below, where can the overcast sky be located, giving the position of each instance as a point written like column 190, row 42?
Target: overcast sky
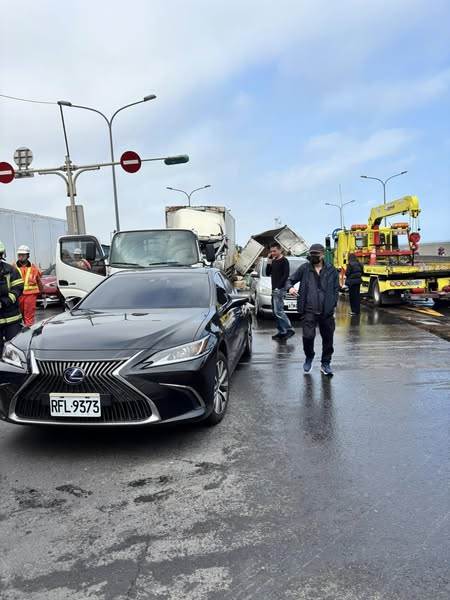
column 276, row 103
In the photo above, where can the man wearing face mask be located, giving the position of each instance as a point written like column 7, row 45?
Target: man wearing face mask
column 317, row 299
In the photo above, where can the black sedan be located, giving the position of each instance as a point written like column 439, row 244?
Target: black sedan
column 144, row 347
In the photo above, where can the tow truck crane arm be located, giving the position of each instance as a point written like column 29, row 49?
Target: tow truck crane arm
column 407, row 204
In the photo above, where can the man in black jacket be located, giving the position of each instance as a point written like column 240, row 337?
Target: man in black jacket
column 353, row 278
column 278, row 270
column 317, row 299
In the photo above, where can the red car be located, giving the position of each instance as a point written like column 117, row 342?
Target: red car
column 51, row 290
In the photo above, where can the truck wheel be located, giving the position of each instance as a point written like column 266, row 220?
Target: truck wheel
column 377, row 296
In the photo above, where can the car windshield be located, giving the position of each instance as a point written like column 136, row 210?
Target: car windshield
column 146, row 248
column 150, row 290
column 294, row 264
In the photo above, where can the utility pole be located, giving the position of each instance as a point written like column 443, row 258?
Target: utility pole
column 74, row 226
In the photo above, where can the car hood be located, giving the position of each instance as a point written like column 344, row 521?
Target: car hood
column 116, row 333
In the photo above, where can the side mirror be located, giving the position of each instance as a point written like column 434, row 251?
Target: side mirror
column 90, row 251
column 210, row 253
column 237, row 301
column 71, row 303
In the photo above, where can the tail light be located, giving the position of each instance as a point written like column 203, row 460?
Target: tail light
column 446, row 289
column 417, row 290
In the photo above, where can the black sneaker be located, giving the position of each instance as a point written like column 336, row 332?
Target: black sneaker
column 307, row 366
column 279, row 336
column 326, row 369
column 290, row 333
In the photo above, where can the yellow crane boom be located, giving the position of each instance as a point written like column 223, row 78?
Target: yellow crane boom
column 407, row 204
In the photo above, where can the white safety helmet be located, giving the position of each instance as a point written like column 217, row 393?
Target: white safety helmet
column 77, row 252
column 23, row 250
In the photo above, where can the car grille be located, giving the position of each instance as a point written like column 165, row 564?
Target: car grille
column 120, row 403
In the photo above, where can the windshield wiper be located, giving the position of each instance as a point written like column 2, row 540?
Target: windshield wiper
column 126, row 264
column 168, row 263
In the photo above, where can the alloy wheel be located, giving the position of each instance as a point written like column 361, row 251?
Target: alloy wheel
column 221, row 387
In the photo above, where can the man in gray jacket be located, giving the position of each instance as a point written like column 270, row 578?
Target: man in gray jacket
column 316, row 301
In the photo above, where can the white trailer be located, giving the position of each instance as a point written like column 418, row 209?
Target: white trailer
column 38, row 232
column 212, row 225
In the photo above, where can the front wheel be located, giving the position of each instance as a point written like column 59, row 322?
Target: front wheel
column 221, row 392
column 377, row 296
column 248, row 350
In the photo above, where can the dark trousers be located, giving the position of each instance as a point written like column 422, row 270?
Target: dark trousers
column 355, row 298
column 326, row 327
column 7, row 332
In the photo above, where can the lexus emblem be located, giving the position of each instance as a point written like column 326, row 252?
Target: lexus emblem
column 74, row 375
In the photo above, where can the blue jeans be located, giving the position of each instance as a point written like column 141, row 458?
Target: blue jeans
column 283, row 323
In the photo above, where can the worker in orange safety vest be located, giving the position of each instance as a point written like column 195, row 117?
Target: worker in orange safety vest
column 32, row 285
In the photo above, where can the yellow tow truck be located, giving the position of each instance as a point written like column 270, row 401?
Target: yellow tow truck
column 394, row 271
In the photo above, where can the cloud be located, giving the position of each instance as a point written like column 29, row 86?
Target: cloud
column 388, row 98
column 340, row 155
column 226, row 74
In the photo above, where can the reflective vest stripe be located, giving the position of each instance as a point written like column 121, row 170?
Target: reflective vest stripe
column 7, row 320
column 12, row 297
column 30, row 288
column 16, row 282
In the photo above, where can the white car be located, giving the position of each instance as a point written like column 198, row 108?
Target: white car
column 261, row 287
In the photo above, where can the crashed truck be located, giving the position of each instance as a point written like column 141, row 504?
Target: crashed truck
column 258, row 247
column 213, row 225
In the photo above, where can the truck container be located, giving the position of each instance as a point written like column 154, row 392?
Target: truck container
column 39, row 232
column 212, row 225
column 258, row 245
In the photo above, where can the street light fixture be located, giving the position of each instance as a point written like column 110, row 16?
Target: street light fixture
column 188, row 195
column 340, row 207
column 383, row 183
column 109, row 122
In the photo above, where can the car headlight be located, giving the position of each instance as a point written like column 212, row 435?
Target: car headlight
column 13, row 356
column 179, row 353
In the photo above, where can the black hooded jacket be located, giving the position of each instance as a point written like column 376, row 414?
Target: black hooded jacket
column 329, row 283
column 353, row 273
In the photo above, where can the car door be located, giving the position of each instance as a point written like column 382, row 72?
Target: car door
column 229, row 320
column 80, row 265
column 234, row 321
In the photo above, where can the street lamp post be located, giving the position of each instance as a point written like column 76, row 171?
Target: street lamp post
column 383, row 183
column 111, row 145
column 188, row 195
column 340, row 206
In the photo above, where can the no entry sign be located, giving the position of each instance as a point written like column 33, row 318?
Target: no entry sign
column 6, row 172
column 130, row 161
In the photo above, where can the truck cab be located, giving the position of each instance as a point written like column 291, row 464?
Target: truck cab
column 81, row 262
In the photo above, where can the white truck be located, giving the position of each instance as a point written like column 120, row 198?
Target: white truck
column 292, row 244
column 38, row 232
column 81, row 262
column 212, row 225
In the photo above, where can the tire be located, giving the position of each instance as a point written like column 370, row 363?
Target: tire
column 377, row 296
column 221, row 392
column 258, row 312
column 248, row 350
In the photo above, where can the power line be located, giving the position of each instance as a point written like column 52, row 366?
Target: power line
column 26, row 99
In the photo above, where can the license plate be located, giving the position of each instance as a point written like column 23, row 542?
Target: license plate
column 291, row 305
column 75, row 405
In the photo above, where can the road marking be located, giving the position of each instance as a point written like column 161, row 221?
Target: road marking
column 425, row 311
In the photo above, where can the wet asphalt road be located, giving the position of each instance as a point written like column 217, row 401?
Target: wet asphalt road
column 310, row 488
